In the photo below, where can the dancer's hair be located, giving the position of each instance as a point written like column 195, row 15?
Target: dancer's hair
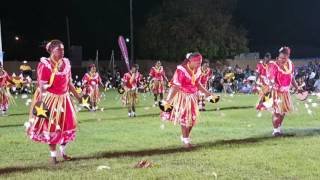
column 52, row 44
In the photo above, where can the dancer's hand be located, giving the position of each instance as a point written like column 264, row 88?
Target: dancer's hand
column 165, row 106
column 79, row 99
column 169, row 101
column 40, row 97
column 213, row 98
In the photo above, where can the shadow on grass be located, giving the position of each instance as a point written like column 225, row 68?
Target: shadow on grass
column 11, row 125
column 26, row 169
column 232, row 108
column 292, row 133
column 111, row 108
column 95, row 119
column 118, row 118
column 17, row 114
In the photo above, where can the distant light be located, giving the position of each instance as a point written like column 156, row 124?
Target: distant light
column 17, row 38
column 127, row 40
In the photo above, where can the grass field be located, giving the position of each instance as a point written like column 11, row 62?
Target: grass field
column 232, row 142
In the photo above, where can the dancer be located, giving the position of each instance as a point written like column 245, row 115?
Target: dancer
column 157, row 76
column 52, row 115
column 206, row 74
column 262, row 82
column 183, row 96
column 5, row 95
column 140, row 79
column 90, row 83
column 281, row 76
column 130, row 82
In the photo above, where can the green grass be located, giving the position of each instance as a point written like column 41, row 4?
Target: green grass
column 232, row 143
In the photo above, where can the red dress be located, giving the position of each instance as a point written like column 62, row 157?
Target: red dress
column 262, row 70
column 91, row 86
column 157, row 75
column 4, row 94
column 60, row 126
column 130, row 96
column 185, row 103
column 205, row 76
column 262, row 86
column 282, row 77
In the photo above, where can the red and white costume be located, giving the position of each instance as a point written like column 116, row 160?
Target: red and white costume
column 60, row 126
column 4, row 93
column 205, row 76
column 90, row 83
column 130, row 83
column 281, row 76
column 185, row 103
column 158, row 75
column 204, row 79
column 139, row 80
column 261, row 68
column 262, row 84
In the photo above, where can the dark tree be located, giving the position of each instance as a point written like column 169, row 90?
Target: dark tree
column 181, row 26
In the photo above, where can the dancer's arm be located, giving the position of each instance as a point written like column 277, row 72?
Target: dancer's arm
column 10, row 81
column 133, row 77
column 100, row 81
column 172, row 92
column 72, row 89
column 175, row 87
column 295, row 85
column 204, row 90
column 165, row 77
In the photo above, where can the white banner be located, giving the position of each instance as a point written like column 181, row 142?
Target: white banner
column 1, row 53
column 1, row 57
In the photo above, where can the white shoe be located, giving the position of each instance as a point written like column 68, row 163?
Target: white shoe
column 4, row 113
column 129, row 114
column 187, row 143
column 133, row 114
column 185, row 140
column 155, row 104
column 277, row 132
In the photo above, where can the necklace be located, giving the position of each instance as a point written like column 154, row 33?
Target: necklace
column 193, row 77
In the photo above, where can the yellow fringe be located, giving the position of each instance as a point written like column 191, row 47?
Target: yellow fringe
column 182, row 103
column 56, row 104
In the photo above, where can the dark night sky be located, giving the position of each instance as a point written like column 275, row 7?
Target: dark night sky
column 97, row 24
column 273, row 23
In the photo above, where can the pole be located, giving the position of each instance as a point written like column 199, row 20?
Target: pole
column 97, row 60
column 112, row 63
column 68, row 33
column 131, row 34
column 1, row 53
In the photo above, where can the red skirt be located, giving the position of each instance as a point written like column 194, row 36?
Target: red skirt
column 157, row 87
column 185, row 110
column 263, row 103
column 60, row 126
column 129, row 98
column 282, row 103
column 93, row 92
column 4, row 99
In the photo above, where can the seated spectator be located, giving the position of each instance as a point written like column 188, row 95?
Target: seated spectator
column 317, row 86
